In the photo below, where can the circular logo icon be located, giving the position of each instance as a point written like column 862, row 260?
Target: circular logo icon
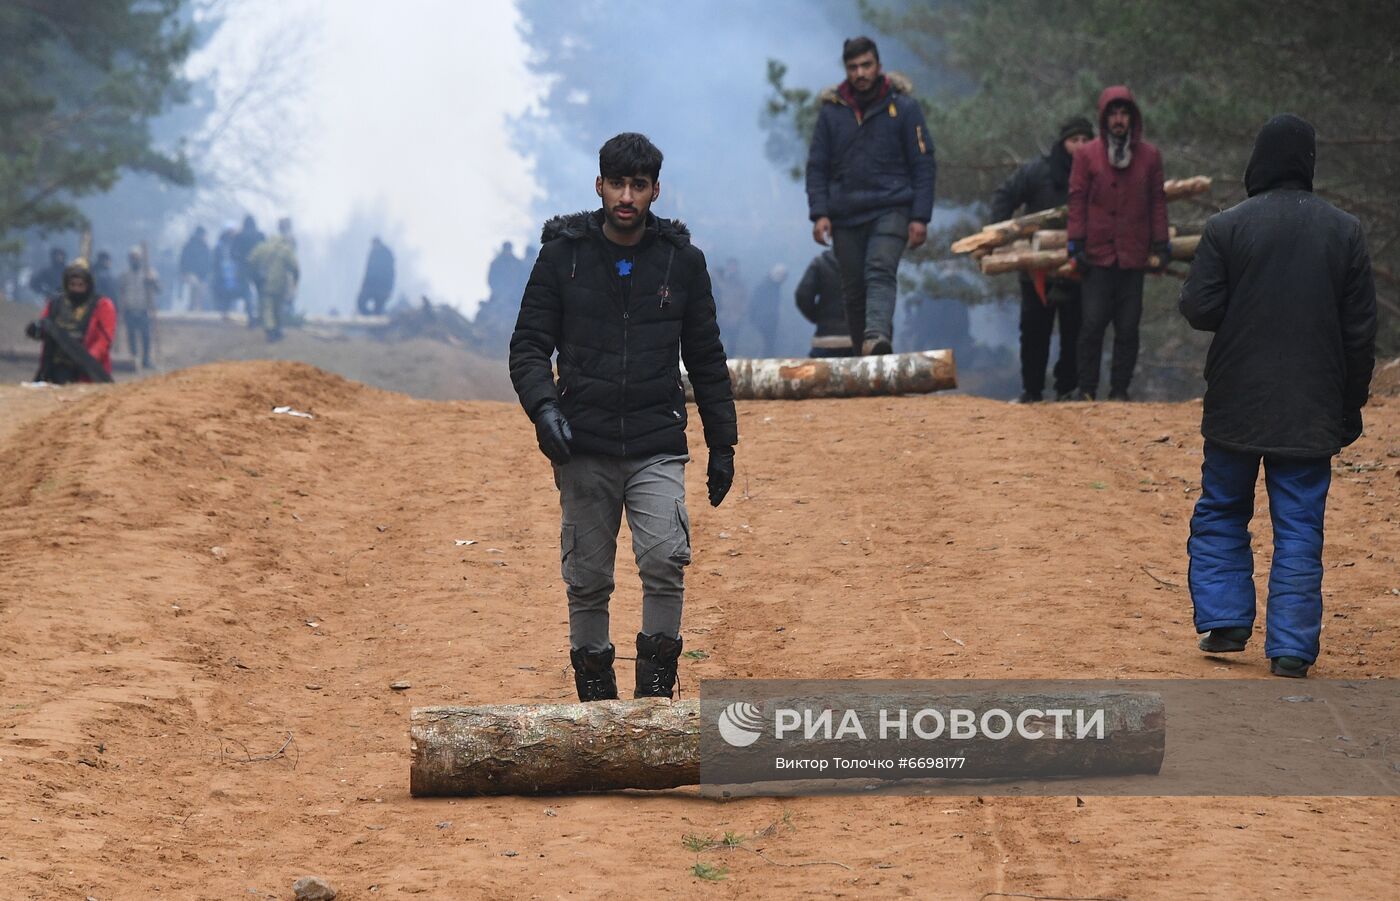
column 741, row 724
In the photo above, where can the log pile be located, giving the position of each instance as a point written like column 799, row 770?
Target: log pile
column 1036, row 241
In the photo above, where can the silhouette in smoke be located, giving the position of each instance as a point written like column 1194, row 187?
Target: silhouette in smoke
column 104, row 279
column 227, row 279
column 243, row 244
column 763, row 310
column 378, row 283
column 495, row 319
column 741, row 337
column 196, row 261
column 276, row 272
column 48, row 282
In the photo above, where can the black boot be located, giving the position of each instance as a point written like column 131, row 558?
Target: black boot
column 593, row 674
column 1225, row 641
column 1290, row 667
column 657, row 657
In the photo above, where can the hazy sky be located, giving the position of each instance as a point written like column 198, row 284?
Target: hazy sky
column 399, row 118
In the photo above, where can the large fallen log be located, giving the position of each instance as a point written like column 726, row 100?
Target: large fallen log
column 916, row 372
column 522, row 749
column 999, row 234
column 657, row 743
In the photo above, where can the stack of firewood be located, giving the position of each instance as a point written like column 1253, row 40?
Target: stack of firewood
column 1036, row 241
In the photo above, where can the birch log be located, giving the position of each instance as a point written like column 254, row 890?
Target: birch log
column 917, row 372
column 656, row 743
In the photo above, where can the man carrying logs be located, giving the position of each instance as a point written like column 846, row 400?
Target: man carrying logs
column 1117, row 230
column 1284, row 281
column 623, row 296
column 870, row 176
column 1041, row 184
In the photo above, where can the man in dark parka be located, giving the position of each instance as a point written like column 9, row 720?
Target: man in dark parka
column 1284, row 281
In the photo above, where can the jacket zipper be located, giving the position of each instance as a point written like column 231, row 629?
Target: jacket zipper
column 623, row 416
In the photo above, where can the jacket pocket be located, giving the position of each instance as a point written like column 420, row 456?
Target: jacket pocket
column 568, row 562
column 680, row 547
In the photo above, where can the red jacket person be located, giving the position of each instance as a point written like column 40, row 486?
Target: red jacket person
column 1117, row 230
column 76, row 330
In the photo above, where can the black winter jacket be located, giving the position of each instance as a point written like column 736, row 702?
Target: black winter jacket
column 863, row 163
column 819, row 299
column 619, row 367
column 1040, row 184
column 1284, row 280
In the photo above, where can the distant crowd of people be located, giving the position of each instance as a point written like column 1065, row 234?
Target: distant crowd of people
column 86, row 302
column 244, row 268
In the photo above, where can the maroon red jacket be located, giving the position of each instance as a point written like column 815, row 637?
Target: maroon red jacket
column 1118, row 213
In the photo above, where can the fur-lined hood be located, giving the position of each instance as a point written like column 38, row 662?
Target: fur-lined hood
column 573, row 226
column 899, row 84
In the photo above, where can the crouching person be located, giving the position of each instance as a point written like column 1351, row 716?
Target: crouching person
column 623, row 297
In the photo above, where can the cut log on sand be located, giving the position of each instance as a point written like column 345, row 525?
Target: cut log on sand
column 917, row 372
column 520, row 749
column 656, row 744
column 999, row 234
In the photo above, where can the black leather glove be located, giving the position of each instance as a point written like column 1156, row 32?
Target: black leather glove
column 1351, row 426
column 1077, row 255
column 34, row 330
column 553, row 432
column 1161, row 254
column 720, row 475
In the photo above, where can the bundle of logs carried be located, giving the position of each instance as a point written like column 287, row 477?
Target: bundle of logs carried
column 1036, row 241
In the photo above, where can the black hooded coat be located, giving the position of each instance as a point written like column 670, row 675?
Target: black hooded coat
column 1284, row 281
column 619, row 357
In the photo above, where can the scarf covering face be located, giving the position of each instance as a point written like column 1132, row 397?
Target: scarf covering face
column 1120, row 150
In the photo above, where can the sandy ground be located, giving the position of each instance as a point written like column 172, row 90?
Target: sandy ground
column 190, row 583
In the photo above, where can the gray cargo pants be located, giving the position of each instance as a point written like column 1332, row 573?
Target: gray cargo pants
column 593, row 492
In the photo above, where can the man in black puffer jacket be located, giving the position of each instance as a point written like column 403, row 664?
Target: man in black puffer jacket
column 1043, row 184
column 623, row 296
column 1284, row 281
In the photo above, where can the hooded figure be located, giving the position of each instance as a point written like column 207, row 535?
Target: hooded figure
column 1042, row 184
column 1284, row 281
column 1117, row 230
column 1117, row 207
column 76, row 329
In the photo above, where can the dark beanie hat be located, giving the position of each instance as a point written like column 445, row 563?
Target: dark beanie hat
column 1076, row 126
column 1285, row 152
